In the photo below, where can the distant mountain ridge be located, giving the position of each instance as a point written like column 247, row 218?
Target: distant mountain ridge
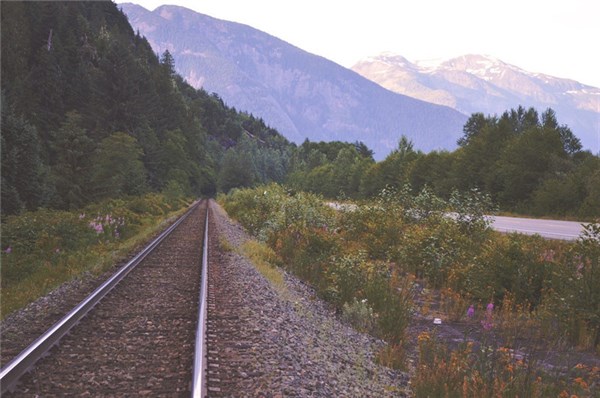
column 480, row 83
column 300, row 94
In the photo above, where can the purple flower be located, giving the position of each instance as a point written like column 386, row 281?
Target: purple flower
column 471, row 311
column 8, row 250
column 57, row 250
column 96, row 226
column 487, row 324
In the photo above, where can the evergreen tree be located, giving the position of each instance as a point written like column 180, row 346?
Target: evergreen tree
column 22, row 168
column 117, row 168
column 72, row 150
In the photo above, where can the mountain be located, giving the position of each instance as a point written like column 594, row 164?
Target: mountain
column 478, row 83
column 298, row 93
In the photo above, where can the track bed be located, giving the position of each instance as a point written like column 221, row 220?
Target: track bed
column 139, row 340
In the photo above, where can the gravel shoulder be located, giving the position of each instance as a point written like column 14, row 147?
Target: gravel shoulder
column 302, row 349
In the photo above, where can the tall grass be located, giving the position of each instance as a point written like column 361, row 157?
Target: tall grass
column 265, row 260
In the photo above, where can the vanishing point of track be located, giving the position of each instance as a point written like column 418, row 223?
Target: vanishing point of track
column 143, row 338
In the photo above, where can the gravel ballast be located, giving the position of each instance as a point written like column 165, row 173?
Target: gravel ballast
column 291, row 344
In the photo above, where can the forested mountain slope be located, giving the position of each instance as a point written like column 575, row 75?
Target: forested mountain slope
column 89, row 111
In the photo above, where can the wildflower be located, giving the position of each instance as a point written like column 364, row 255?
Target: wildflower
column 487, row 324
column 97, row 226
column 82, row 216
column 579, row 381
column 548, row 255
column 471, row 311
column 57, row 250
column 424, row 336
column 8, row 250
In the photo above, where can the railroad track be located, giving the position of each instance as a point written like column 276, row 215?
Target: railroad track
column 145, row 336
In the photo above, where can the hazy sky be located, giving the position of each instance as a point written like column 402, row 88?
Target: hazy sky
column 556, row 37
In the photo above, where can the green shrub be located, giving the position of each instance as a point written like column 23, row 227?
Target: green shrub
column 573, row 297
column 360, row 315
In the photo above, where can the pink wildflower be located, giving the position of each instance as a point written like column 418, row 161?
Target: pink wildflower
column 471, row 311
column 96, row 226
column 8, row 250
column 487, row 322
column 548, row 255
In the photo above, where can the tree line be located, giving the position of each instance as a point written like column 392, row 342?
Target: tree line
column 528, row 163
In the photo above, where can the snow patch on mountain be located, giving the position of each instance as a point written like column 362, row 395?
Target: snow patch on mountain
column 483, row 83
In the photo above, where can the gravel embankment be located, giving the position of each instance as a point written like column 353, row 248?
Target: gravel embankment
column 289, row 344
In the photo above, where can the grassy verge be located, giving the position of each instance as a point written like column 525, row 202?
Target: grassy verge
column 42, row 250
column 265, row 260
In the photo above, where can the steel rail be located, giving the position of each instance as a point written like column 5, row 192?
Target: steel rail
column 199, row 385
column 10, row 374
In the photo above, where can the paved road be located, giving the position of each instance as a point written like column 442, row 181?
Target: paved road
column 551, row 229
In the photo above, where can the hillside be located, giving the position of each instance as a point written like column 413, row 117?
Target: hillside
column 90, row 112
column 477, row 83
column 299, row 94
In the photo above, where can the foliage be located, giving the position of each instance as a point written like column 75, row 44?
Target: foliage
column 478, row 371
column 573, row 294
column 367, row 258
column 90, row 112
column 359, row 314
column 22, row 168
column 44, row 248
column 331, row 169
column 265, row 261
column 304, row 233
column 519, row 160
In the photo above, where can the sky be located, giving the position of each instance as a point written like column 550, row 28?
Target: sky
column 556, row 37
